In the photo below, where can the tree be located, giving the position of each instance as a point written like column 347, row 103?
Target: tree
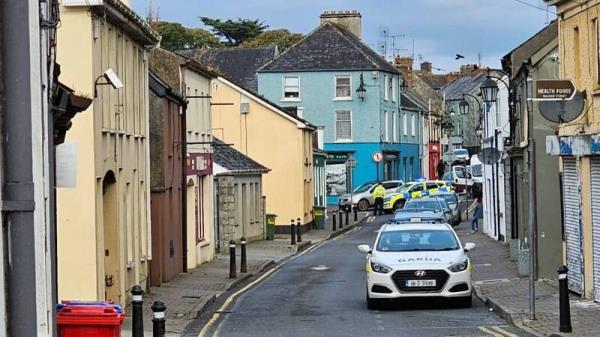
column 177, row 37
column 235, row 32
column 280, row 37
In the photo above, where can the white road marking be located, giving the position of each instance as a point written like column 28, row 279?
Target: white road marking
column 506, row 333
column 320, row 267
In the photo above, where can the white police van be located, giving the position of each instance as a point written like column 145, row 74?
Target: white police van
column 417, row 260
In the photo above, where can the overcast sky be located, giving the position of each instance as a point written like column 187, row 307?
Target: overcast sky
column 440, row 28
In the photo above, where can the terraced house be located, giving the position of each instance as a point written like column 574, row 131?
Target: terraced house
column 337, row 82
column 103, row 207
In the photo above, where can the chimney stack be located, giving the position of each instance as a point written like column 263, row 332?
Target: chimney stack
column 468, row 69
column 405, row 65
column 426, row 67
column 351, row 20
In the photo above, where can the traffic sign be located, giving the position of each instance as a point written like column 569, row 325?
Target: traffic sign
column 489, row 155
column 554, row 90
column 377, row 157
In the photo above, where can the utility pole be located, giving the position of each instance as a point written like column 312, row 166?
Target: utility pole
column 532, row 201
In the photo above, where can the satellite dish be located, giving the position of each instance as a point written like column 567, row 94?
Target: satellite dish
column 489, row 155
column 563, row 111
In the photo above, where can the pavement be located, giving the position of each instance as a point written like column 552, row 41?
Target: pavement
column 321, row 292
column 498, row 285
column 190, row 294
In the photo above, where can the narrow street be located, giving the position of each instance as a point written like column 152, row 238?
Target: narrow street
column 321, row 293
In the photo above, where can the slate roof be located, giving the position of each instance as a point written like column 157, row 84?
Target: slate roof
column 436, row 81
column 329, row 47
column 238, row 64
column 462, row 85
column 235, row 161
column 515, row 59
column 412, row 102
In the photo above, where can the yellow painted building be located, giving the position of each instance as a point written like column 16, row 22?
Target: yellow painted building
column 578, row 144
column 275, row 138
column 104, row 241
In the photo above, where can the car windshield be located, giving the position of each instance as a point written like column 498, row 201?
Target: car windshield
column 476, row 170
column 460, row 152
column 450, row 198
column 363, row 188
column 417, row 240
column 405, row 188
column 424, row 204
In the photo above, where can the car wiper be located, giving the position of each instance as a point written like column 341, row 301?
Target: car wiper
column 417, row 250
column 445, row 249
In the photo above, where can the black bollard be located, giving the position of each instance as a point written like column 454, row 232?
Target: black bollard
column 137, row 314
column 334, row 219
column 158, row 319
column 232, row 272
column 292, row 232
column 298, row 230
column 243, row 267
column 563, row 300
column 355, row 214
column 341, row 219
column 347, row 217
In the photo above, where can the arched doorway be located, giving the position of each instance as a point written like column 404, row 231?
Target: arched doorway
column 111, row 238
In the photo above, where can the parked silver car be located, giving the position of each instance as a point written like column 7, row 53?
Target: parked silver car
column 362, row 196
column 453, row 202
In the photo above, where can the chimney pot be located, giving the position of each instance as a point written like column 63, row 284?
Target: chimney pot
column 348, row 19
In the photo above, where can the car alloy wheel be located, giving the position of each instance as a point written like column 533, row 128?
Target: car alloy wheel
column 363, row 205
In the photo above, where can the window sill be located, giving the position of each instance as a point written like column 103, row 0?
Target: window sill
column 343, row 141
column 338, row 99
column 291, row 100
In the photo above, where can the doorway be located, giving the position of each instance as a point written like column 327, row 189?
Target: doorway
column 111, row 239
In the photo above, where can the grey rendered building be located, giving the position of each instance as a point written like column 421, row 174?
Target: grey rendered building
column 535, row 58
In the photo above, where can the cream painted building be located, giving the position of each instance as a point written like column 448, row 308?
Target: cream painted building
column 103, row 207
column 578, row 144
column 275, row 138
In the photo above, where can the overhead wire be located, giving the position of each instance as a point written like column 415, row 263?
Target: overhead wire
column 535, row 6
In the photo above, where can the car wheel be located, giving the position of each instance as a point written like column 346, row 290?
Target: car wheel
column 372, row 303
column 464, row 302
column 363, row 205
column 399, row 204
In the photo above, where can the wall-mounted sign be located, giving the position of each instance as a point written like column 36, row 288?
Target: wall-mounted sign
column 554, row 90
column 337, row 156
column 199, row 164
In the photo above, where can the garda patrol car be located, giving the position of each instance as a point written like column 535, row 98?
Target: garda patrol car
column 413, row 189
column 417, row 260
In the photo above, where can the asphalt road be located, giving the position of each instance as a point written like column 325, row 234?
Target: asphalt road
column 322, row 293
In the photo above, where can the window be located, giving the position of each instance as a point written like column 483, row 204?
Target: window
column 343, row 125
column 385, row 126
column 405, row 124
column 300, row 111
column 258, row 199
column 390, row 88
column 385, row 91
column 291, row 87
column 394, row 89
column 343, row 87
column 199, row 204
column 413, row 125
column 394, row 127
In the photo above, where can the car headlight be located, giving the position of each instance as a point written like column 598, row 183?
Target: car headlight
column 461, row 265
column 380, row 268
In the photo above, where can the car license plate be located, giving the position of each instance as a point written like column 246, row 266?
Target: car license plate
column 420, row 283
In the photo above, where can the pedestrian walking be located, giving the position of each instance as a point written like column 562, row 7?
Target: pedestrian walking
column 378, row 195
column 476, row 215
column 441, row 169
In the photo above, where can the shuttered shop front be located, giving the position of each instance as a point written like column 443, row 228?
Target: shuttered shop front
column 572, row 215
column 595, row 184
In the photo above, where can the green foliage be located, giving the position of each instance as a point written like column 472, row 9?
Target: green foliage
column 235, row 32
column 280, row 37
column 177, row 37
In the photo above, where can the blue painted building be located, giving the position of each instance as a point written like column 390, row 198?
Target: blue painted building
column 320, row 76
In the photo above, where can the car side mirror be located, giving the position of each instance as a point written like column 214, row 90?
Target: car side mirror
column 469, row 246
column 366, row 249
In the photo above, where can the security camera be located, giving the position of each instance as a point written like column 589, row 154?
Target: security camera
column 112, row 78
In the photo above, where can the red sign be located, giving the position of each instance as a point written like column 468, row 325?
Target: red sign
column 199, row 164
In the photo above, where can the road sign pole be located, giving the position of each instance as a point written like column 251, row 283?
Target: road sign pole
column 532, row 214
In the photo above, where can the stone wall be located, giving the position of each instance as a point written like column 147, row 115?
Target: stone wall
column 227, row 210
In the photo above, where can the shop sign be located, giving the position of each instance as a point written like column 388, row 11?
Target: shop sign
column 199, row 164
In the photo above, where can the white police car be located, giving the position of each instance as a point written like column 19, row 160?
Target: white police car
column 417, row 260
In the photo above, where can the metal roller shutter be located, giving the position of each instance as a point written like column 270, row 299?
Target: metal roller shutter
column 595, row 184
column 572, row 209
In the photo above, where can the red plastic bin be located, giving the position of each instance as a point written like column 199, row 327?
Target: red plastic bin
column 89, row 319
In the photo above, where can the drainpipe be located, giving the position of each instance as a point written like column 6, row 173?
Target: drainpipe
column 532, row 214
column 183, row 131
